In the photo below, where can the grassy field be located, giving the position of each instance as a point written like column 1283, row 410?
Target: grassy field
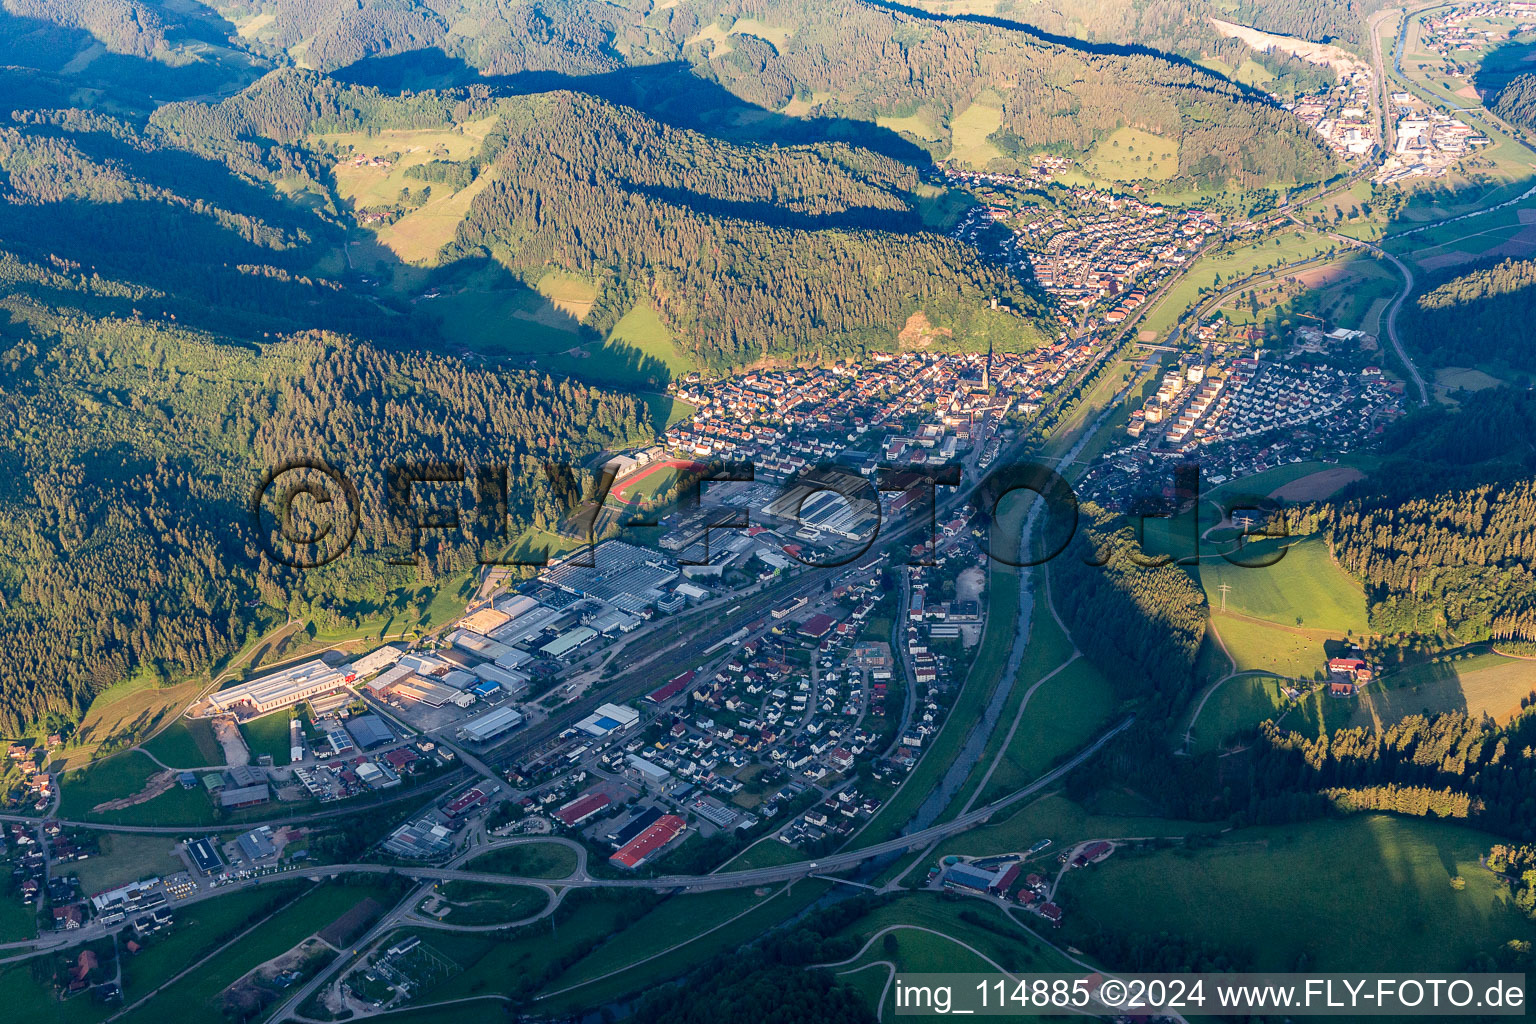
column 1304, row 588
column 194, row 998
column 641, row 331
column 1241, row 702
column 125, row 774
column 198, row 929
column 187, row 743
column 529, row 860
column 681, row 919
column 778, row 35
column 19, row 922
column 1484, row 683
column 1224, row 267
column 1317, row 888
column 1259, row 646
column 269, row 735
column 704, row 942
column 919, row 126
column 518, row 963
column 1130, row 154
column 107, row 779
column 132, row 707
column 969, row 130
column 1003, row 942
column 1348, row 292
column 569, row 293
column 1058, row 819
column 475, row 903
column 1465, row 378
column 125, row 857
column 510, row 319
column 941, row 208
column 417, row 236
column 1063, row 716
column 765, row 854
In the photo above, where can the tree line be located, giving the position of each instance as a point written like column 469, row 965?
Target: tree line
column 726, row 244
column 1479, row 317
column 1141, row 624
column 132, row 447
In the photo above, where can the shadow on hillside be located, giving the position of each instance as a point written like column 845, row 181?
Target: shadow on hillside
column 1067, row 42
column 763, row 212
column 669, row 92
column 127, row 77
column 1501, row 64
column 500, row 317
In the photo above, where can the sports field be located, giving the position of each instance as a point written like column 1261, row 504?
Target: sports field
column 644, row 485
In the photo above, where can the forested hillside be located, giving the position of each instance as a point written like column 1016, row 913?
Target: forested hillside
column 1517, row 101
column 1450, row 765
column 131, row 446
column 146, row 396
column 1183, row 26
column 1461, row 561
column 723, row 243
column 1141, row 623
column 1483, row 316
column 855, row 60
column 847, row 60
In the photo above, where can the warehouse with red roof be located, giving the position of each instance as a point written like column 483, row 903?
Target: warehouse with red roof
column 672, row 689
column 817, row 626
column 583, row 807
column 650, row 842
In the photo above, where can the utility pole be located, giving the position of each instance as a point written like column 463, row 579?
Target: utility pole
column 1224, row 588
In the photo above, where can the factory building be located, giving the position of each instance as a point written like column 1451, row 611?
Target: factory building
column 650, row 842
column 487, row 726
column 567, row 643
column 369, row 731
column 608, row 718
column 420, row 840
column 281, row 689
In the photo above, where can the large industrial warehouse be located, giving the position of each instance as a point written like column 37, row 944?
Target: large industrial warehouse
column 492, row 724
column 281, row 689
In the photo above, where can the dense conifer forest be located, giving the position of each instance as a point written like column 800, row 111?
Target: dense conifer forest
column 1480, row 316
